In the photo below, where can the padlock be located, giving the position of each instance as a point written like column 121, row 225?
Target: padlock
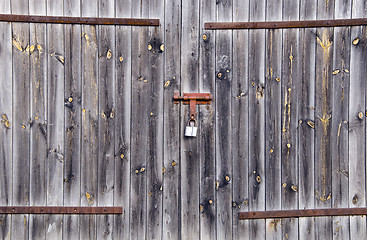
column 191, row 129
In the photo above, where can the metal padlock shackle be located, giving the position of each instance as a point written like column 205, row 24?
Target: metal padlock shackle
column 192, row 119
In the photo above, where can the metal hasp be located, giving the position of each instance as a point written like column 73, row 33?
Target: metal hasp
column 303, row 213
column 59, row 210
column 79, row 20
column 193, row 99
column 285, row 24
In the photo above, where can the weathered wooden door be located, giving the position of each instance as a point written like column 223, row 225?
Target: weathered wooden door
column 88, row 119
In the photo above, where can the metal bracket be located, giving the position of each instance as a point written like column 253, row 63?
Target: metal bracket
column 193, row 99
column 286, row 24
column 79, row 20
column 59, row 210
column 302, row 213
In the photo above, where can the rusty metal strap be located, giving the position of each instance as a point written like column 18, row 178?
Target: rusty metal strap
column 285, row 24
column 59, row 210
column 79, row 20
column 302, row 213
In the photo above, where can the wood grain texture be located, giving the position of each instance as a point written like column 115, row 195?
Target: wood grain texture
column 357, row 122
column 73, row 114
column 306, row 101
column 154, row 149
column 323, row 119
column 38, row 118
column 189, row 166
column 90, row 114
column 140, row 115
column 291, row 68
column 106, row 113
column 21, row 119
column 207, row 79
column 6, row 120
column 273, row 115
column 171, row 121
column 257, row 119
column 240, row 118
column 223, row 113
column 55, row 119
column 122, row 121
column 339, row 128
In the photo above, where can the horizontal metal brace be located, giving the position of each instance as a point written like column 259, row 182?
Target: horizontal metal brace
column 285, row 24
column 79, row 20
column 59, row 210
column 303, row 213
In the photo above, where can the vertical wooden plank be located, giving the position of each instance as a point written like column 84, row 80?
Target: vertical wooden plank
column 21, row 119
column 122, row 121
column 306, row 102
column 106, row 114
column 140, row 116
column 190, row 225
column 55, row 119
column 171, row 172
column 73, row 113
column 223, row 115
column 339, row 128
column 273, row 118
column 155, row 125
column 208, row 203
column 6, row 121
column 89, row 155
column 290, row 81
column 323, row 119
column 38, row 75
column 240, row 118
column 257, row 119
column 155, row 133
column 357, row 122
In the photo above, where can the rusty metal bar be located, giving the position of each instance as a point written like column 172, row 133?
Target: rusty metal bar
column 192, row 99
column 59, row 210
column 303, row 213
column 285, row 24
column 79, row 20
column 201, row 98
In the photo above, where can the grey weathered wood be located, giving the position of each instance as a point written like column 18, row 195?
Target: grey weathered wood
column 189, row 166
column 106, row 113
column 323, row 119
column 306, row 142
column 38, row 117
column 21, row 119
column 339, row 128
column 207, row 78
column 73, row 113
column 257, row 119
column 291, row 68
column 6, row 120
column 122, row 121
column 140, row 115
column 55, row 119
column 90, row 114
column 273, row 118
column 171, row 163
column 154, row 150
column 240, row 118
column 223, row 113
column 357, row 122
